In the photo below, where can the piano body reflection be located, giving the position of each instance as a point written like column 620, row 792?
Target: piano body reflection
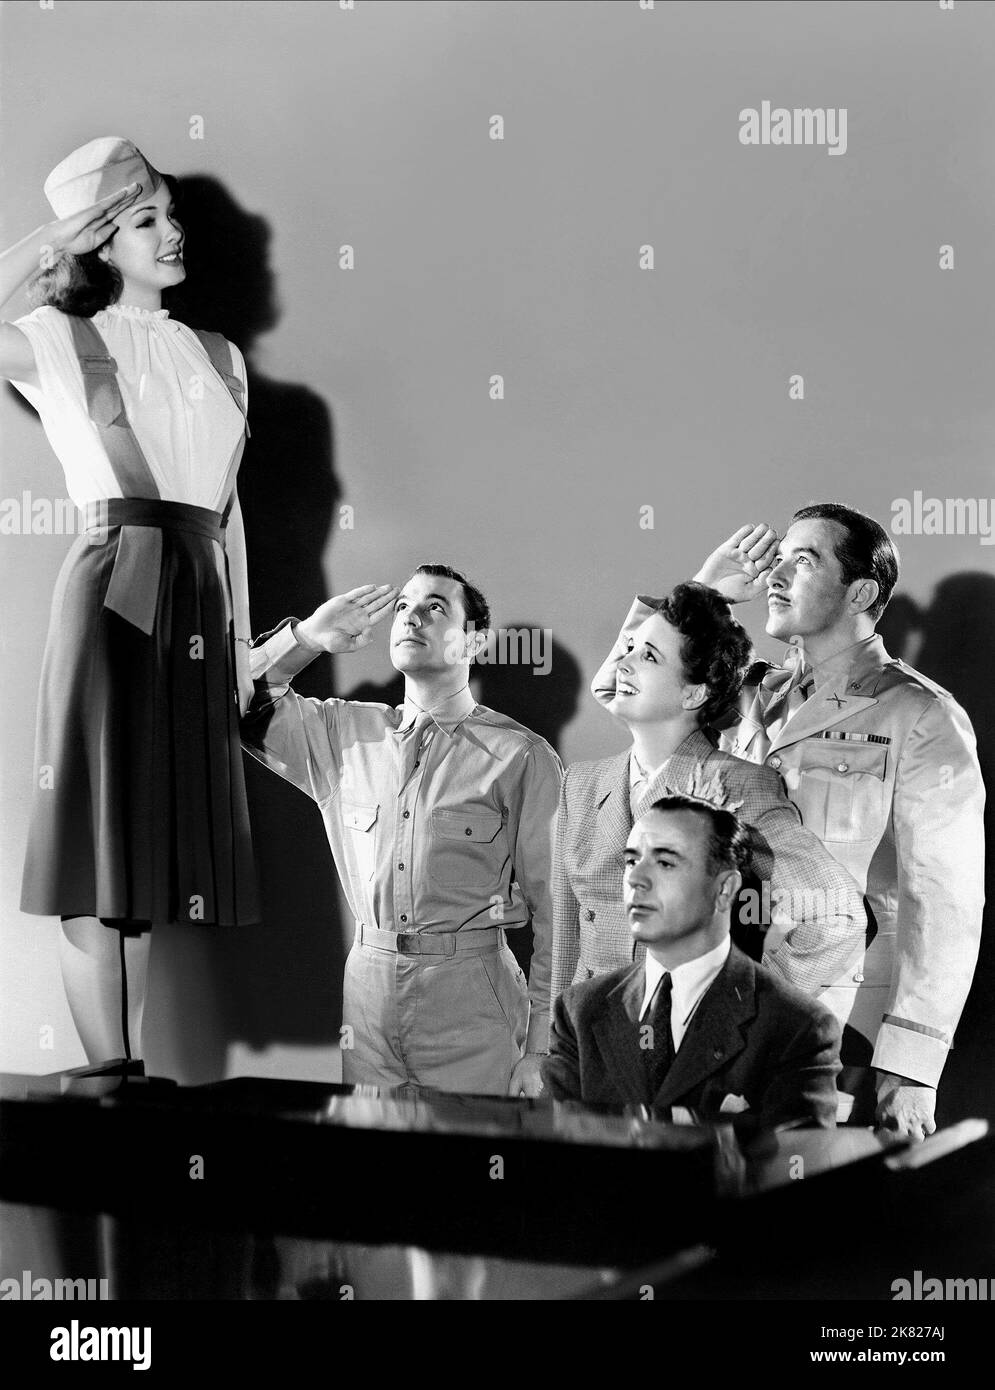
column 268, row 1189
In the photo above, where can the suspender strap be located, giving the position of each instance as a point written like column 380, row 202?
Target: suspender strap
column 218, row 349
column 105, row 408
column 133, row 587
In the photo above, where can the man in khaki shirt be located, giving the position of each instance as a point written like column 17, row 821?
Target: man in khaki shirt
column 440, row 817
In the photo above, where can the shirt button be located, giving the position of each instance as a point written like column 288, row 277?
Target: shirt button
column 407, row 814
column 401, row 867
column 468, row 831
column 404, row 916
column 589, row 914
column 855, row 685
column 418, row 763
column 774, row 762
column 858, row 979
column 841, row 767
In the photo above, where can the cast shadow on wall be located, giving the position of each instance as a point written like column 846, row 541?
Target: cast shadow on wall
column 279, row 981
column 952, row 641
column 543, row 703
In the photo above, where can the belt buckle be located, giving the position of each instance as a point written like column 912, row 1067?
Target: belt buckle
column 405, row 941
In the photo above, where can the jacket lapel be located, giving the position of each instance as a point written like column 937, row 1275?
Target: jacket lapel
column 717, row 1032
column 853, row 694
column 678, row 772
column 611, row 798
column 617, row 1034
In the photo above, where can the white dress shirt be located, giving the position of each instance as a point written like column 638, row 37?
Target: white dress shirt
column 690, row 983
column 640, row 781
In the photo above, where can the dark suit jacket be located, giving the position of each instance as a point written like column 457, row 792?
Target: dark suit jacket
column 752, row 1036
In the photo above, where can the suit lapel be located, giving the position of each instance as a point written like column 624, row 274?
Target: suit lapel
column 716, row 1033
column 617, row 1034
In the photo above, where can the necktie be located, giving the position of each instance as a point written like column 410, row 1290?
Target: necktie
column 780, row 711
column 409, row 748
column 658, row 1057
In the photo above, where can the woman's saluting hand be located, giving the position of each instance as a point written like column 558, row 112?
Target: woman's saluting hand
column 85, row 231
column 40, row 250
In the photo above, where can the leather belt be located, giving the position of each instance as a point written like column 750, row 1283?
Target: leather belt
column 423, row 943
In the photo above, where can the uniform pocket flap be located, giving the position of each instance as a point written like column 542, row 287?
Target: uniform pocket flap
column 467, row 825
column 359, row 817
column 845, row 757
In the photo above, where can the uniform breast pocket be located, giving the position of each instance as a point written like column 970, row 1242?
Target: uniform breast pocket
column 468, row 847
column 361, row 837
column 843, row 788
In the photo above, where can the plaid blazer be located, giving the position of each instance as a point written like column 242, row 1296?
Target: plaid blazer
column 802, row 889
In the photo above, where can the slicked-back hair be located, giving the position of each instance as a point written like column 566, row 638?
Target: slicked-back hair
column 865, row 552
column 715, row 648
column 475, row 606
column 729, row 842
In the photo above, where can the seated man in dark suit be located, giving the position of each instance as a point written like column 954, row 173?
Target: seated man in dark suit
column 698, row 1024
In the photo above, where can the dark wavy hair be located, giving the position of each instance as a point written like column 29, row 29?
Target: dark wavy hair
column 475, row 606
column 81, row 285
column 729, row 841
column 715, row 648
column 865, row 552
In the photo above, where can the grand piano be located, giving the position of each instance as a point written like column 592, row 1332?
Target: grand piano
column 283, row 1190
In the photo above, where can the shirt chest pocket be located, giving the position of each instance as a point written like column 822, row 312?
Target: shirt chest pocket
column 360, row 824
column 468, row 848
column 843, row 788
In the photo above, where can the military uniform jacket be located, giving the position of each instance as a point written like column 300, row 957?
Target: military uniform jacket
column 884, row 770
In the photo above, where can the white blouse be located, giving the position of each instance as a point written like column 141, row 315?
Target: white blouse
column 181, row 411
column 182, row 414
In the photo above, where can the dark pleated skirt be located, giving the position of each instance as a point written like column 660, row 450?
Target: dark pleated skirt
column 139, row 809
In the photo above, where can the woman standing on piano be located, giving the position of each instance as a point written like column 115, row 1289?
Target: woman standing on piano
column 139, row 812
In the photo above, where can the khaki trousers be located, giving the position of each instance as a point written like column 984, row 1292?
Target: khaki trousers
column 454, row 1023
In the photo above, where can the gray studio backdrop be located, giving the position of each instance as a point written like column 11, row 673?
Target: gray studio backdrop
column 301, row 129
